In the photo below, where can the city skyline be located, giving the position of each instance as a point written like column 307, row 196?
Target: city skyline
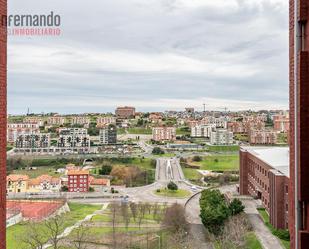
column 154, row 55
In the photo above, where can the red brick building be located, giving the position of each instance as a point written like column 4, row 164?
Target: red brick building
column 264, row 174
column 281, row 123
column 78, row 180
column 262, row 137
column 3, row 102
column 299, row 125
column 125, row 112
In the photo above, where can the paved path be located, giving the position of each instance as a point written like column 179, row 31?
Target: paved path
column 266, row 238
column 68, row 230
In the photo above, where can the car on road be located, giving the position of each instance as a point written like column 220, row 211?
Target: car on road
column 194, row 188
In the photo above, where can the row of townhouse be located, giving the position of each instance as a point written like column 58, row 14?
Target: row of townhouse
column 76, row 179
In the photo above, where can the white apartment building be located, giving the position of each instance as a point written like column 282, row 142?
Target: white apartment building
column 71, row 138
column 220, row 122
column 202, row 130
column 164, row 133
column 221, row 137
column 28, row 141
column 14, row 130
column 108, row 134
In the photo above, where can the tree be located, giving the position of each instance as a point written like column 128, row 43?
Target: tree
column 54, row 227
column 157, row 151
column 196, row 159
column 33, row 236
column 64, row 188
column 125, row 214
column 79, row 238
column 105, row 169
column 114, row 207
column 172, row 186
column 214, row 210
column 236, row 207
column 134, row 210
column 175, row 218
column 142, row 208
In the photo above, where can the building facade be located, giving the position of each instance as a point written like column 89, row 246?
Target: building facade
column 125, row 112
column 202, row 131
column 3, row 128
column 108, row 134
column 264, row 174
column 299, row 125
column 262, row 137
column 281, row 123
column 56, row 120
column 15, row 130
column 221, row 137
column 80, row 120
column 78, row 180
column 34, row 120
column 76, row 139
column 164, row 134
column 17, row 183
column 103, row 121
column 28, row 141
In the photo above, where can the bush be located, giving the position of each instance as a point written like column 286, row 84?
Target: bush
column 157, row 151
column 64, row 189
column 236, row 207
column 91, row 189
column 172, row 186
column 196, row 159
column 282, row 234
column 158, row 190
column 105, row 170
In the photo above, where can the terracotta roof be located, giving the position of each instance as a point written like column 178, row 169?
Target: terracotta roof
column 16, row 178
column 78, row 172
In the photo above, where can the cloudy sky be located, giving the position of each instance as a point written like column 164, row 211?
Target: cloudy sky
column 152, row 54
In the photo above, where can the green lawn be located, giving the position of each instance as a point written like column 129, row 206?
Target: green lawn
column 252, row 241
column 39, row 171
column 183, row 131
column 223, row 148
column 180, row 193
column 137, row 130
column 78, row 212
column 219, row 162
column 265, row 218
column 191, row 174
column 242, row 137
column 8, row 148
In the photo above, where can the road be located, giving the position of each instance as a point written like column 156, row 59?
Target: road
column 169, row 170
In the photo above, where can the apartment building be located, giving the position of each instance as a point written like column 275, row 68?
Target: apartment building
column 44, row 183
column 80, row 120
column 220, row 122
column 108, row 134
column 264, row 174
column 125, row 112
column 17, row 183
column 56, row 121
column 155, row 118
column 202, row 130
column 76, row 139
column 34, row 120
column 103, row 121
column 78, row 180
column 27, row 141
column 164, row 133
column 17, row 129
column 221, row 137
column 281, row 123
column 263, row 137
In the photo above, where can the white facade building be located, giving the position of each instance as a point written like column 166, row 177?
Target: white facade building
column 221, row 137
column 202, row 130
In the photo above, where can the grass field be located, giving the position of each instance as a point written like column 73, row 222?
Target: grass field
column 251, row 242
column 35, row 173
column 78, row 212
column 265, row 218
column 219, row 162
column 223, row 148
column 191, row 174
column 180, row 193
column 143, row 131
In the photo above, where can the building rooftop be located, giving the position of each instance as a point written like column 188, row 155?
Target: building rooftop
column 276, row 157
